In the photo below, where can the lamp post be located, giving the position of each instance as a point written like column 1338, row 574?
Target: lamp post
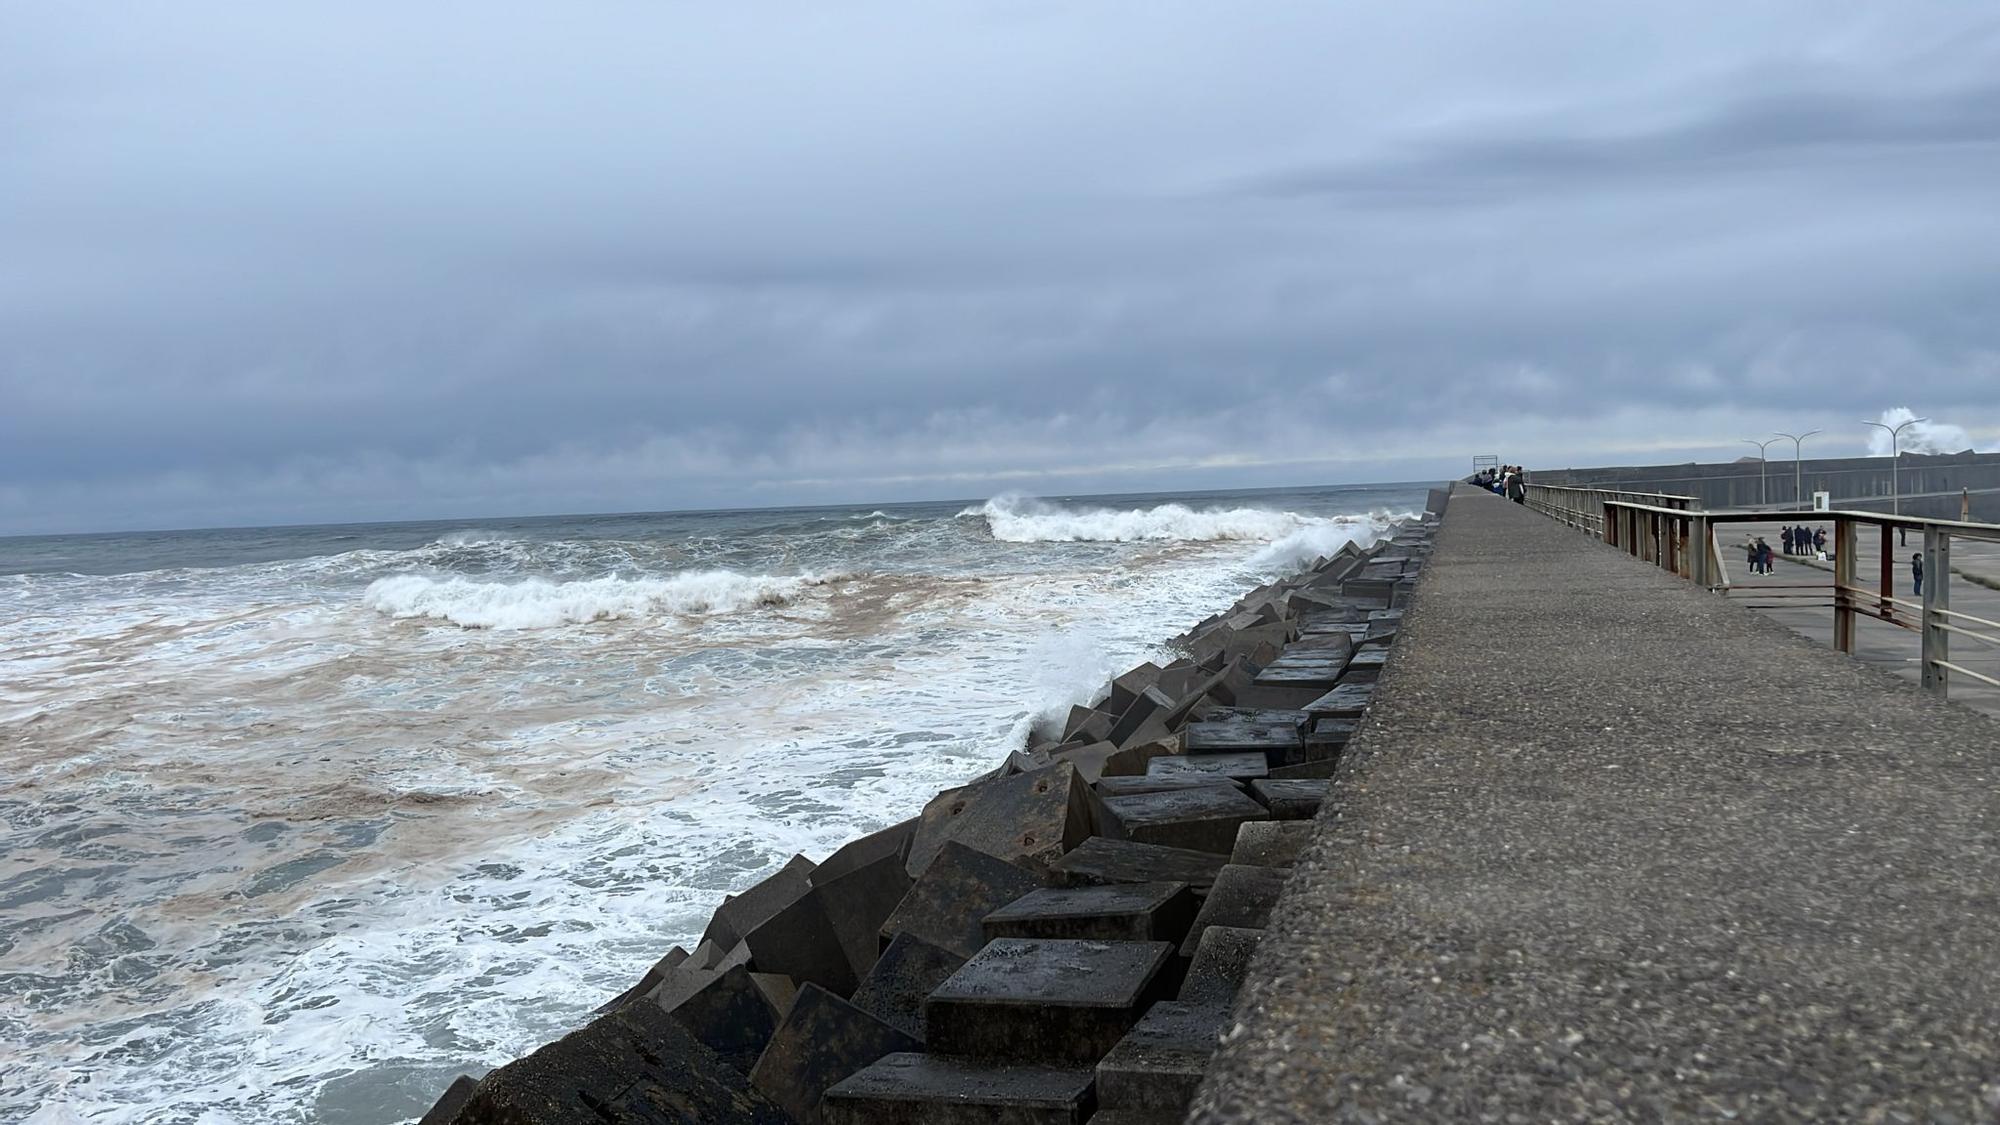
column 1895, row 458
column 1798, row 463
column 1763, row 486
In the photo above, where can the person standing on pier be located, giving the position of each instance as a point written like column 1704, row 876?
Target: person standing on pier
column 1785, row 536
column 1917, row 573
column 1819, row 540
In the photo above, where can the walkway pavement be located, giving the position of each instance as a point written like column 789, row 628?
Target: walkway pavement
column 1800, row 592
column 1614, row 849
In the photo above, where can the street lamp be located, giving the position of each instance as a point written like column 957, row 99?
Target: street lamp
column 1798, row 464
column 1895, row 458
column 1763, row 486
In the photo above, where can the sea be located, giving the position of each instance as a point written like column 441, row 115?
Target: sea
column 299, row 823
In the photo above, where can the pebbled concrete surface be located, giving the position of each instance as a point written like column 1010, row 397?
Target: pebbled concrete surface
column 1612, row 849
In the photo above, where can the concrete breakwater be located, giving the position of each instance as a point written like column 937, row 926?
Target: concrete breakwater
column 1061, row 939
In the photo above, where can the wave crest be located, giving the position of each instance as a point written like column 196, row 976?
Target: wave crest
column 1324, row 537
column 537, row 603
column 1024, row 519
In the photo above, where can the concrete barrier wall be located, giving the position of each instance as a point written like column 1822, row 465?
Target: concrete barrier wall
column 1854, row 482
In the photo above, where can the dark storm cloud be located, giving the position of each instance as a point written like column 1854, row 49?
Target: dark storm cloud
column 377, row 260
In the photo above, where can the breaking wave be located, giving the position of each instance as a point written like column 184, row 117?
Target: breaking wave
column 1025, row 519
column 1323, row 538
column 537, row 603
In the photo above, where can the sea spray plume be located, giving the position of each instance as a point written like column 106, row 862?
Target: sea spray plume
column 536, row 603
column 1014, row 518
column 1324, row 538
column 1924, row 437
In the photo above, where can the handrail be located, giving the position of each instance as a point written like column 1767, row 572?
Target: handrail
column 1673, row 533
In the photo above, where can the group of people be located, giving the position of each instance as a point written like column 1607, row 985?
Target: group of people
column 1796, row 540
column 1507, row 480
column 1803, row 540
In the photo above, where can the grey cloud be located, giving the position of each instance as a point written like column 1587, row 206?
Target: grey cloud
column 263, row 265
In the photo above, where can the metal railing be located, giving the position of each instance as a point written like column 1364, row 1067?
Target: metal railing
column 1583, row 508
column 1678, row 537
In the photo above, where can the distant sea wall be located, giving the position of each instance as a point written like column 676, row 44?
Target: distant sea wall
column 1062, row 937
column 1852, row 482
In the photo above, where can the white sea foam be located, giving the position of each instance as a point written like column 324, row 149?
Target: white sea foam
column 523, row 818
column 1014, row 518
column 537, row 603
column 1323, row 538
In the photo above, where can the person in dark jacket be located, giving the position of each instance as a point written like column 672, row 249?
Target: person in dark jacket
column 1517, row 489
column 1819, row 540
column 1786, row 537
column 1917, row 572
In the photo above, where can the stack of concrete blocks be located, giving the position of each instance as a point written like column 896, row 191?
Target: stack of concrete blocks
column 1059, row 940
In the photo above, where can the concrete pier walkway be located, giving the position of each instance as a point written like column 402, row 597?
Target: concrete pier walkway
column 1612, row 848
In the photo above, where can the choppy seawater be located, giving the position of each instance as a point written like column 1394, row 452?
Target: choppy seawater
column 296, row 824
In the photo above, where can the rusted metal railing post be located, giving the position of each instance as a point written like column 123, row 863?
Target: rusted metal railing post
column 1936, row 599
column 1844, row 543
column 1882, row 606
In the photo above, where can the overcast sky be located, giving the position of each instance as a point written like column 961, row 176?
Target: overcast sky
column 297, row 262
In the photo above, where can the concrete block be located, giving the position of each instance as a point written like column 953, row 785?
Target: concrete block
column 1366, row 666
column 1149, row 704
column 1176, row 677
column 1153, row 729
column 683, row 980
column 1247, row 642
column 857, row 904
column 635, row 1065
column 1229, row 733
column 1324, row 738
column 1241, row 766
column 739, row 914
column 822, row 1040
column 1324, row 767
column 1242, row 896
column 1050, row 1001
column 1030, row 818
column 1099, row 860
column 895, row 989
column 1272, row 843
column 444, row 1111
column 893, row 840
column 730, row 1015
column 650, row 980
column 1158, row 783
column 1201, row 818
column 954, row 894
column 918, row 1089
column 1156, row 1069
column 1073, row 723
column 1291, row 798
column 1088, row 758
column 1096, row 727
column 802, row 942
column 1220, row 965
column 1219, row 688
column 778, row 989
column 1126, row 688
column 1159, row 911
column 1348, row 701
column 1317, row 664
column 1271, row 698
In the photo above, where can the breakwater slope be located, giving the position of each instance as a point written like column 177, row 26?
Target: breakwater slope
column 1614, row 849
column 1059, row 940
